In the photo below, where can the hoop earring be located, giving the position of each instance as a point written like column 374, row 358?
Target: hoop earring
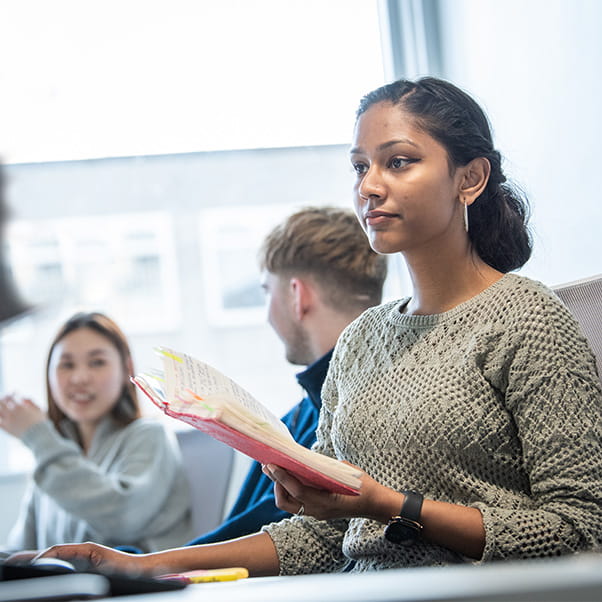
column 465, row 216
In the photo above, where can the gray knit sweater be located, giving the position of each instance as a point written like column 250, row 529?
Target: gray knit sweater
column 494, row 404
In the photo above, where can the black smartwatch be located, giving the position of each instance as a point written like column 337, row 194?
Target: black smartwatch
column 406, row 528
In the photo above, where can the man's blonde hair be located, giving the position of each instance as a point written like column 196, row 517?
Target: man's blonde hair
column 328, row 244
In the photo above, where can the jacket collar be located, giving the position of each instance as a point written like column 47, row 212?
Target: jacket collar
column 312, row 378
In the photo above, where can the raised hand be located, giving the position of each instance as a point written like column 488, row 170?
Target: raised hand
column 17, row 415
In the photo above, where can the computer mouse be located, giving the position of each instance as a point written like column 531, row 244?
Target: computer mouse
column 55, row 564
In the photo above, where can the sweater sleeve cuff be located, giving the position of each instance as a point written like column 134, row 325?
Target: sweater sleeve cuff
column 488, row 520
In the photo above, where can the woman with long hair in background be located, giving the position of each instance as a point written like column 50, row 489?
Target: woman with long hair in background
column 102, row 472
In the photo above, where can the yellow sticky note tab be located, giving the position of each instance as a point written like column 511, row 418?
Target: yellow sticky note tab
column 169, row 354
column 208, row 575
column 229, row 574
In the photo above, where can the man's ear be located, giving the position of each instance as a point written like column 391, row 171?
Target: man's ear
column 301, row 293
column 474, row 179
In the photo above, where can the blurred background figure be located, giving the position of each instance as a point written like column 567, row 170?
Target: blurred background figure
column 11, row 304
column 101, row 471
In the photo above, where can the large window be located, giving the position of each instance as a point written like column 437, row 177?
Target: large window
column 106, row 78
column 149, row 148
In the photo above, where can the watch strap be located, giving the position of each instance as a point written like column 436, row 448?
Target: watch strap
column 412, row 506
column 405, row 528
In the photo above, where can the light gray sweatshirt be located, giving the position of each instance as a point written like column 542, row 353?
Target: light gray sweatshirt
column 129, row 490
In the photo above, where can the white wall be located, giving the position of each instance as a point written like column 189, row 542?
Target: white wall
column 536, row 66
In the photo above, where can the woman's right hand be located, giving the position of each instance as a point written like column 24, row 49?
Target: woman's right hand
column 256, row 552
column 93, row 556
column 17, row 415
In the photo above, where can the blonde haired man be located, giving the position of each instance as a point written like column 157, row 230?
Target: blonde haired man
column 319, row 274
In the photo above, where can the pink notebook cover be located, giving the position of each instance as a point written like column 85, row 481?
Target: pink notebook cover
column 257, row 450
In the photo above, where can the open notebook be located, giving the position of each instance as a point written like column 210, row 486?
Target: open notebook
column 198, row 394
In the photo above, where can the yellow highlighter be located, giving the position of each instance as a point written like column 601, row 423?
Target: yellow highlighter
column 207, row 575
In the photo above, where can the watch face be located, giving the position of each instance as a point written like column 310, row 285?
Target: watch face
column 401, row 533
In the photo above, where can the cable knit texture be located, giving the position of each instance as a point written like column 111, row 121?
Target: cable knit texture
column 494, row 404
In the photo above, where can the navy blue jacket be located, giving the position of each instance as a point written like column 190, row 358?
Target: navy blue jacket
column 255, row 505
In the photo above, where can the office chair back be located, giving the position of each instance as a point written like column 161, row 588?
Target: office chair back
column 584, row 299
column 208, row 465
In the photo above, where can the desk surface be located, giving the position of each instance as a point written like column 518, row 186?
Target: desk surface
column 575, row 579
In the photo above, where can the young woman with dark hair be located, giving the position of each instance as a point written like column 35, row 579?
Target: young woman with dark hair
column 472, row 406
column 498, row 220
